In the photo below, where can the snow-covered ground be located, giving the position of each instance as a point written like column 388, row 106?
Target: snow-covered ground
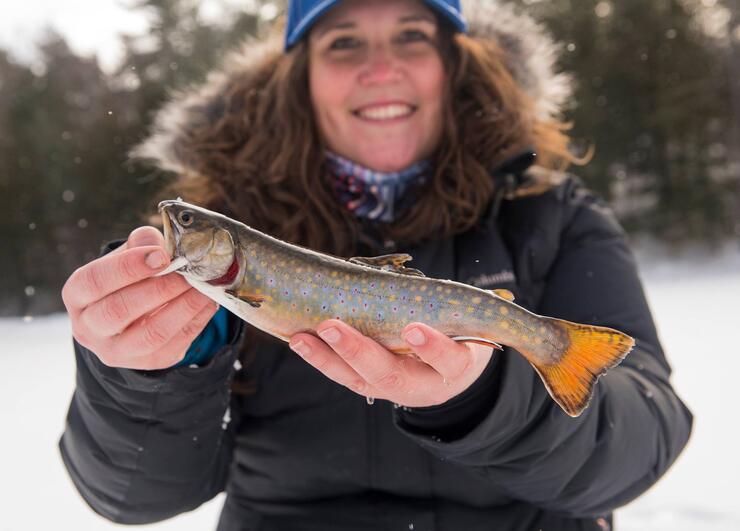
column 694, row 300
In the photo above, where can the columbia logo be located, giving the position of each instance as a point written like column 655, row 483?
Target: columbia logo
column 486, row 281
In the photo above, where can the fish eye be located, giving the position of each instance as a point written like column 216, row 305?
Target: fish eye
column 185, row 218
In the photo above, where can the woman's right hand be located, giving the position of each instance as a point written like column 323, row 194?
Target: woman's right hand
column 128, row 317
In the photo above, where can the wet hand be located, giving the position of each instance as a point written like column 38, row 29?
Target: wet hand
column 444, row 368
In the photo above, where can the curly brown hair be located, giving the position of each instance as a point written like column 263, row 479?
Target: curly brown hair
column 262, row 161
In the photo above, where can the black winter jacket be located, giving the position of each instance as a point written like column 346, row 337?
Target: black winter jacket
column 304, row 453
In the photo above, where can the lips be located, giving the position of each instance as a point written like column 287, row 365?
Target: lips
column 385, row 112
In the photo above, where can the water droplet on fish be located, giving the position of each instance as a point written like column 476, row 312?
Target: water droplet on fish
column 648, row 393
column 30, row 291
column 370, row 400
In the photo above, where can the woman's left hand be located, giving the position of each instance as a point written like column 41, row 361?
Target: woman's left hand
column 445, row 368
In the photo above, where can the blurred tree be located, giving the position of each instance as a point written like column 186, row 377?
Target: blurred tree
column 652, row 98
column 65, row 131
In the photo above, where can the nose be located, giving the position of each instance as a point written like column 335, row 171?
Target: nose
column 380, row 68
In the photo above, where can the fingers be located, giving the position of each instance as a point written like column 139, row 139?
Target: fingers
column 158, row 337
column 110, row 273
column 449, row 358
column 378, row 366
column 118, row 268
column 323, row 358
column 114, row 313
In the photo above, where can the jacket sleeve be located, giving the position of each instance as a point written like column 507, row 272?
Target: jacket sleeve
column 144, row 446
column 635, row 426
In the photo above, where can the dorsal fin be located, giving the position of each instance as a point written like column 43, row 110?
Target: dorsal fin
column 388, row 262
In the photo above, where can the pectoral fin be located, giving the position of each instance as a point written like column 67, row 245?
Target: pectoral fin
column 388, row 262
column 255, row 301
column 477, row 340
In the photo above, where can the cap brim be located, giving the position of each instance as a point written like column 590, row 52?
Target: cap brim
column 443, row 8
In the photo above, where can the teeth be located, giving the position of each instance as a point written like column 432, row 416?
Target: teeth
column 386, row 112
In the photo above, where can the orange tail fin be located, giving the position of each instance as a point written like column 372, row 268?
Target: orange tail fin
column 593, row 349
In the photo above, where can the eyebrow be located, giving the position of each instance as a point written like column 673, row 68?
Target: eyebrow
column 418, row 18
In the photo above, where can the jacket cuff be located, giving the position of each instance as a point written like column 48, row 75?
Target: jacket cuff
column 455, row 418
column 176, row 380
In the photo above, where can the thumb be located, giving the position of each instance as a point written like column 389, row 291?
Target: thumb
column 141, row 237
column 144, row 236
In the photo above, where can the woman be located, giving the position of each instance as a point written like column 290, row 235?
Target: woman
column 377, row 126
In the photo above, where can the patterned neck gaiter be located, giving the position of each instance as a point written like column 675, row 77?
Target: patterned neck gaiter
column 372, row 194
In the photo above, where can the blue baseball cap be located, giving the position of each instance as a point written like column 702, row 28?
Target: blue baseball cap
column 303, row 14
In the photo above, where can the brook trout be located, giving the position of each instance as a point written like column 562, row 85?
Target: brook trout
column 284, row 289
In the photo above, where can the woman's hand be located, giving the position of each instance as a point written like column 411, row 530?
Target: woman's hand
column 444, row 369
column 128, row 317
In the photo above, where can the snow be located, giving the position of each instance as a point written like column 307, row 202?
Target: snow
column 693, row 298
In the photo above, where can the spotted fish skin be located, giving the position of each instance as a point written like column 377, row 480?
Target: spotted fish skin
column 284, row 289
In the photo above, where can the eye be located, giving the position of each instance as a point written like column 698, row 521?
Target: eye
column 185, row 218
column 344, row 43
column 413, row 36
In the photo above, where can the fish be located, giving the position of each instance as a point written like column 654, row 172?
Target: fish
column 283, row 289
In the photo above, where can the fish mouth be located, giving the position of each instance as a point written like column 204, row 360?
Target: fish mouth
column 172, row 233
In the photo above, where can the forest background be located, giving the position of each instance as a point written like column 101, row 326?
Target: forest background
column 658, row 97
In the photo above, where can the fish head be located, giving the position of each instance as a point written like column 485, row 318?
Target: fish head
column 202, row 240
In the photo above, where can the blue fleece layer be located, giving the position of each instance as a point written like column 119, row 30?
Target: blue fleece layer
column 211, row 339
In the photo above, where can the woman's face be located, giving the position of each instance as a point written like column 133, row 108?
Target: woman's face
column 377, row 82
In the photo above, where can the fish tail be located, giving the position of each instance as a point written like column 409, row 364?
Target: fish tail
column 591, row 351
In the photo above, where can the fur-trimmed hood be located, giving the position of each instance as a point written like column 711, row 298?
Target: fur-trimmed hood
column 531, row 56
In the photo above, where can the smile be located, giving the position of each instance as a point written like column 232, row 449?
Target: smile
column 380, row 113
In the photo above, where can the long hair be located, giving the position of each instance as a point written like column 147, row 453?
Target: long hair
column 262, row 161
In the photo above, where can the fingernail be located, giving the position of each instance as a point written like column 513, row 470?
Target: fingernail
column 155, row 259
column 330, row 335
column 301, row 348
column 415, row 337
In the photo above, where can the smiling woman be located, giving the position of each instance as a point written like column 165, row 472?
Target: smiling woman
column 377, row 85
column 374, row 127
